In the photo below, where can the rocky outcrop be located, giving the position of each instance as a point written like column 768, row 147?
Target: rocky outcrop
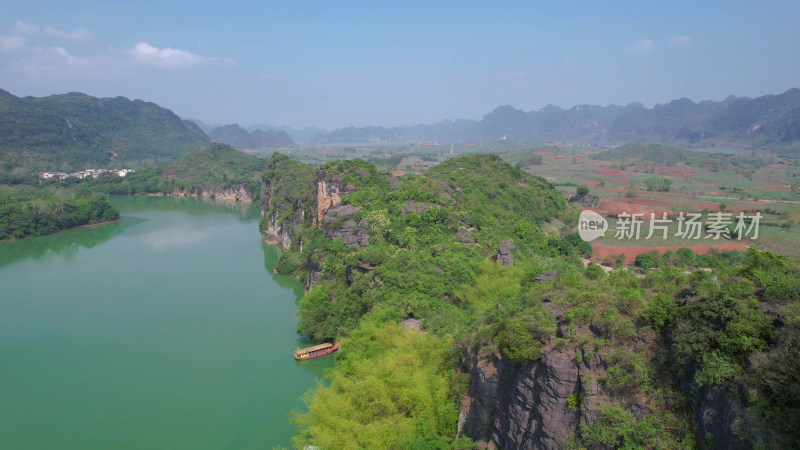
column 287, row 199
column 283, row 233
column 314, row 269
column 715, row 412
column 504, row 256
column 550, row 275
column 418, row 207
column 337, row 222
column 237, row 193
column 524, row 405
column 585, row 201
column 465, row 237
column 330, row 190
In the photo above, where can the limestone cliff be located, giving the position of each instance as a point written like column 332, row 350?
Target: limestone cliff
column 287, row 199
column 337, row 222
column 330, row 190
column 237, row 192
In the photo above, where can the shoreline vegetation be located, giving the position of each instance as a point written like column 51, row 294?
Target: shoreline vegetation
column 30, row 206
column 91, row 225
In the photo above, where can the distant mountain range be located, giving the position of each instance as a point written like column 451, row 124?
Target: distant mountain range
column 238, row 137
column 76, row 131
column 771, row 121
column 302, row 136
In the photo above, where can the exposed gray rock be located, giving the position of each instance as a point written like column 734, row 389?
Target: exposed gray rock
column 352, row 232
column 393, row 180
column 314, row 270
column 599, row 330
column 547, row 276
column 465, row 237
column 418, row 207
column 715, row 411
column 504, row 256
column 586, row 201
column 338, row 212
column 522, row 405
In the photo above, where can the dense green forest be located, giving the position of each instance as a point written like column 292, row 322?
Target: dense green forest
column 76, row 131
column 662, row 338
column 28, row 210
column 216, row 168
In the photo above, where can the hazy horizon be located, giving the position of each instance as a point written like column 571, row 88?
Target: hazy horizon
column 351, row 64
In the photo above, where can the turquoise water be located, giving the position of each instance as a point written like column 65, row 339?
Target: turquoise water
column 167, row 329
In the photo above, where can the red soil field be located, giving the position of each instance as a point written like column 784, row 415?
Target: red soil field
column 682, row 173
column 616, row 207
column 632, row 252
column 775, row 188
column 647, row 201
column 613, row 173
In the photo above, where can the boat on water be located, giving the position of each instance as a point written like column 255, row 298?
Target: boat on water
column 317, row 350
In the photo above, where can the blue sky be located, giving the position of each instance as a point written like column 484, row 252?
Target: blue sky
column 334, row 64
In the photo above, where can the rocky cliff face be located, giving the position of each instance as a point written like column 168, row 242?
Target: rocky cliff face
column 330, row 190
column 283, row 232
column 338, row 222
column 237, row 192
column 715, row 412
column 287, row 199
column 540, row 404
column 526, row 405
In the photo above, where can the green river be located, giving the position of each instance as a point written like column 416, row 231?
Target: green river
column 167, row 329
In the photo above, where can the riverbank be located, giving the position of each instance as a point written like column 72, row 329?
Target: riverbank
column 90, row 225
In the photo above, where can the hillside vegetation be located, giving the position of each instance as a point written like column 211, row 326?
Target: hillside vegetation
column 76, row 131
column 215, row 168
column 650, row 350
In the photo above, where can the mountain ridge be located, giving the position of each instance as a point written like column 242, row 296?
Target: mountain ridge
column 770, row 120
column 76, row 131
column 238, row 137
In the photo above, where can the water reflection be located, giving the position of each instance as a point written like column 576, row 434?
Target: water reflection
column 187, row 205
column 65, row 243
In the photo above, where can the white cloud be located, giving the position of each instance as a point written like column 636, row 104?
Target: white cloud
column 11, row 44
column 681, row 39
column 24, row 28
column 54, row 62
column 78, row 34
column 644, row 46
column 147, row 54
